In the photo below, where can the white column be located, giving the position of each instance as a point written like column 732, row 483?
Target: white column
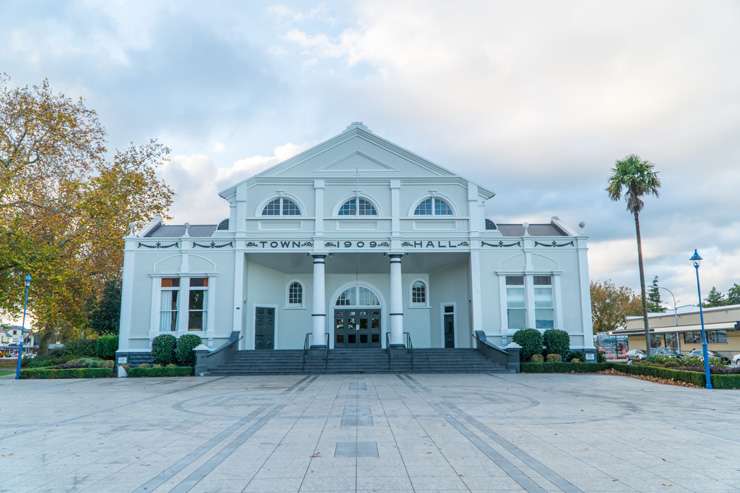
column 476, row 310
column 395, row 207
column 586, row 317
column 319, row 302
column 236, row 322
column 396, row 308
column 318, row 206
column 127, row 294
column 529, row 297
column 558, row 305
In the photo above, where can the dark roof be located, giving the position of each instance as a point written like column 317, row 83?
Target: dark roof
column 177, row 230
column 534, row 230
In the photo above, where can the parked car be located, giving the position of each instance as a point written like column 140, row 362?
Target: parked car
column 636, row 354
column 697, row 353
column 664, row 351
column 736, row 360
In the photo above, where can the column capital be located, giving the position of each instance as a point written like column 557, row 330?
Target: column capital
column 395, row 256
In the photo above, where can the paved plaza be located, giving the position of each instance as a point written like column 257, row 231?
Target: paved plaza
column 346, row 433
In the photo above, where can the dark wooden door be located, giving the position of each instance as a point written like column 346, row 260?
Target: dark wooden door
column 449, row 326
column 355, row 328
column 264, row 328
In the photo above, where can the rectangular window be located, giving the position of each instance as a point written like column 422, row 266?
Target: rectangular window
column 692, row 337
column 169, row 304
column 198, row 304
column 717, row 336
column 543, row 302
column 516, row 308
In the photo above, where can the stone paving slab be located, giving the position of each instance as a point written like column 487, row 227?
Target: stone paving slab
column 368, row 433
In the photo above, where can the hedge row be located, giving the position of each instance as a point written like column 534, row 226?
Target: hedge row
column 719, row 381
column 161, row 371
column 562, row 367
column 66, row 373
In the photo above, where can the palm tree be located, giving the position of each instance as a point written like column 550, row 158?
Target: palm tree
column 634, row 178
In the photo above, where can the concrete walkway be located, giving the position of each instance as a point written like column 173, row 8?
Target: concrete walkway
column 346, row 433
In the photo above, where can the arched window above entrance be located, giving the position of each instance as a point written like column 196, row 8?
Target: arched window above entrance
column 357, row 206
column 357, row 296
column 281, row 206
column 433, row 206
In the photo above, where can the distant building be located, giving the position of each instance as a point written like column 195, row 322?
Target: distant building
column 681, row 332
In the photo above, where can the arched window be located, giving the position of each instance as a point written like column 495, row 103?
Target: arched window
column 295, row 293
column 358, row 206
column 433, row 206
column 419, row 293
column 357, row 296
column 281, row 206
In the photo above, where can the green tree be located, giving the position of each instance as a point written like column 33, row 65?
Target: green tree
column 633, row 179
column 106, row 310
column 714, row 298
column 654, row 302
column 611, row 304
column 733, row 294
column 65, row 204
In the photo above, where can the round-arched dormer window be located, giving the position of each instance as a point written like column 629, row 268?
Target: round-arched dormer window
column 433, row 206
column 357, row 206
column 281, row 206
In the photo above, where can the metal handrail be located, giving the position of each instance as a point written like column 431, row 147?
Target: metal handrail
column 307, row 348
column 388, row 348
column 409, row 347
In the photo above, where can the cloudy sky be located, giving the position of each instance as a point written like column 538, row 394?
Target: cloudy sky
column 535, row 100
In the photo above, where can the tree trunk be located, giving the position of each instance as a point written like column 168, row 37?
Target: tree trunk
column 642, row 282
column 44, row 338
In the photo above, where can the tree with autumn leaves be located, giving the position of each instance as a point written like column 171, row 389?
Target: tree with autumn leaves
column 611, row 304
column 66, row 202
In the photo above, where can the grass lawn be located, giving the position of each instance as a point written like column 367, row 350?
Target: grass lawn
column 6, row 371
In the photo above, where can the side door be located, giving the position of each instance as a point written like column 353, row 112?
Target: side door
column 264, row 327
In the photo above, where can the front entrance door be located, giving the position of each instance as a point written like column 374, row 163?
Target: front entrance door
column 264, row 327
column 354, row 328
column 448, row 322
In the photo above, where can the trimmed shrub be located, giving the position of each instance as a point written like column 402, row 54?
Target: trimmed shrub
column 556, row 341
column 161, row 371
column 576, row 360
column 691, row 377
column 570, row 355
column 554, row 358
column 731, row 381
column 184, row 352
column 163, row 349
column 106, row 346
column 49, row 373
column 87, row 363
column 80, row 347
column 563, row 367
column 600, row 357
column 531, row 342
column 42, row 361
column 537, row 358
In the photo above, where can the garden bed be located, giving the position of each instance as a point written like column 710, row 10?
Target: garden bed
column 160, row 371
column 52, row 373
column 654, row 373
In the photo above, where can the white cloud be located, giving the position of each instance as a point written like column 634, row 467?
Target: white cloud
column 197, row 179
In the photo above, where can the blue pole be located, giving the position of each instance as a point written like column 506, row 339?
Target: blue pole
column 704, row 350
column 27, row 282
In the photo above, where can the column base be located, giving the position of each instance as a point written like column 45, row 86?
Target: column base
column 318, row 346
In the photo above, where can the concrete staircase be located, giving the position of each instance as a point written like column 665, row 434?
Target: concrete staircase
column 366, row 360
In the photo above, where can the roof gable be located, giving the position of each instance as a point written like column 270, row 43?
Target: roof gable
column 355, row 152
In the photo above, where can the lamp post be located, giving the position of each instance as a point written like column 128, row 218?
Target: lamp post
column 696, row 261
column 27, row 284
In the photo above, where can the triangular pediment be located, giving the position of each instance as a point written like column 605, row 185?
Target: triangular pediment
column 356, row 151
column 354, row 162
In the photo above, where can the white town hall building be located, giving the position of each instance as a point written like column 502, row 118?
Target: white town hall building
column 354, row 243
